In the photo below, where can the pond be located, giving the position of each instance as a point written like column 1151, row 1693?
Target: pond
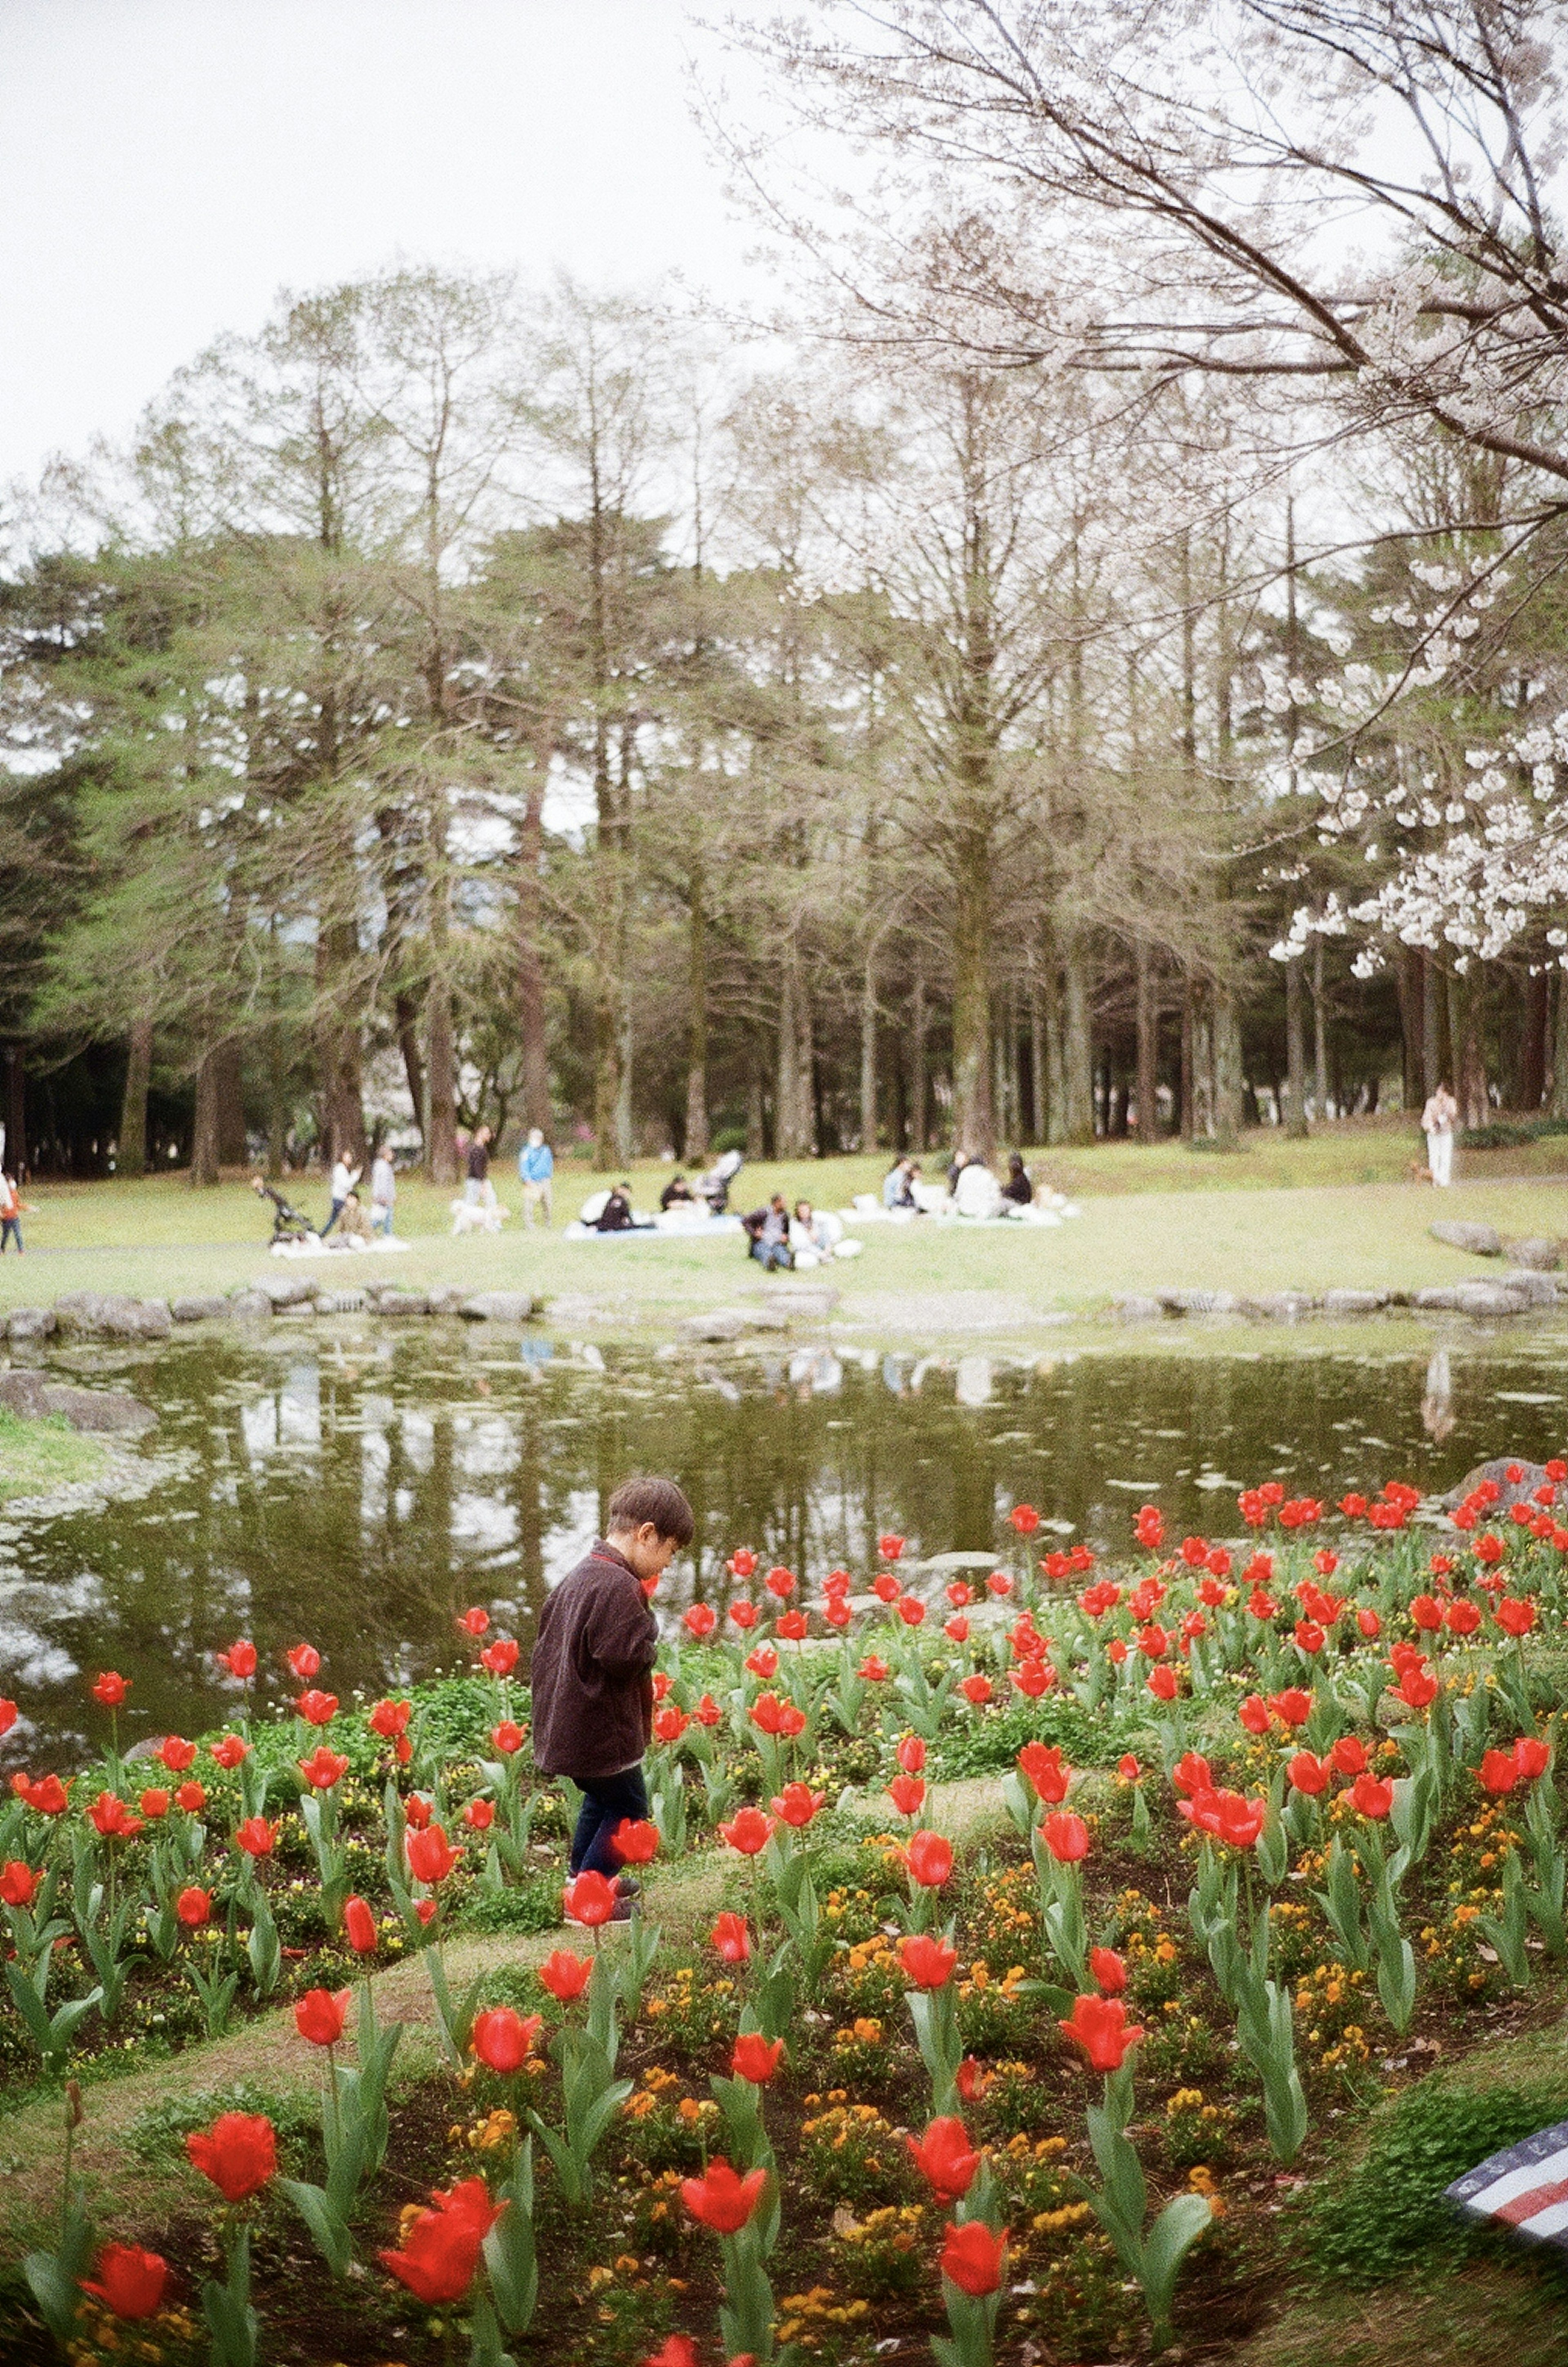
column 358, row 1488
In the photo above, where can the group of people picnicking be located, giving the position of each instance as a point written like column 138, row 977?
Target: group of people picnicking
column 971, row 1188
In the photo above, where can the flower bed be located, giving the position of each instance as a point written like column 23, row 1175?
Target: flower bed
column 1030, row 2061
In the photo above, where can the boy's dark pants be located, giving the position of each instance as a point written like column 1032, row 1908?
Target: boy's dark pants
column 606, row 1800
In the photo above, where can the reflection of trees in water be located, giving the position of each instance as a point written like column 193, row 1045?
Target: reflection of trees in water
column 349, row 1535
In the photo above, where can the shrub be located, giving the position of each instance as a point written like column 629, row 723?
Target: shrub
column 1389, row 2210
column 996, row 1740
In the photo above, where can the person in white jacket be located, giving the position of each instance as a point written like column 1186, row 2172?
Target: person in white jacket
column 345, row 1178
column 1438, row 1121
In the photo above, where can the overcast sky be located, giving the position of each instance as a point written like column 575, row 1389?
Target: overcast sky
column 169, row 164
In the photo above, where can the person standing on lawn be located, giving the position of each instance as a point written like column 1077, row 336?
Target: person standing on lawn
column 11, row 1207
column 1437, row 1122
column 592, row 1674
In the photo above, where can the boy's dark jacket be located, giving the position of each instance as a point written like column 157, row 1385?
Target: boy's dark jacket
column 593, row 1697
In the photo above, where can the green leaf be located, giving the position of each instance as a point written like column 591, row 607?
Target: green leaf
column 324, row 2221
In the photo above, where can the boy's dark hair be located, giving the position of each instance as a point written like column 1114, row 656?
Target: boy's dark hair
column 658, row 1501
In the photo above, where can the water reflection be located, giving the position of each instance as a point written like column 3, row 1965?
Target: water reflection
column 361, row 1490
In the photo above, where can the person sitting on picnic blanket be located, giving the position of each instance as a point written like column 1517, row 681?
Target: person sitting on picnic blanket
column 1018, row 1188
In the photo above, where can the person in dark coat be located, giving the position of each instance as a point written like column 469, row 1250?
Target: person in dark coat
column 591, row 1669
column 1020, row 1186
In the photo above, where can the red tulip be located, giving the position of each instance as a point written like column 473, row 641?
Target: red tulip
column 973, row 2079
column 797, row 1804
column 911, row 1755
column 754, row 2059
column 441, row 2250
column 889, row 1546
column 316, row 1707
column 771, row 1715
column 1531, row 1756
column 1127, row 1767
column 323, row 1768
column 1043, row 1765
column 1514, row 1617
column 731, row 1938
column 154, row 1804
column 720, row 2200
column 175, row 1753
column 192, row 1798
column 875, row 1670
column 430, row 1854
column 193, row 1907
column 928, row 1962
column 359, row 1927
column 590, row 1899
column 748, row 1831
column 1293, row 1706
column 945, row 2159
column 1498, row 1771
column 230, row 1751
column 9, row 1714
column 305, row 1661
column 1163, row 1683
column 978, row 1689
column 972, row 2258
column 742, row 1562
column 1191, row 1774
column 109, row 1816
column 1370, row 1798
column 764, row 1663
column 507, row 1736
column 1309, row 1774
column 478, row 1816
column 257, row 1837
column 128, row 2280
column 929, row 1857
column 240, row 1659
column 390, row 1718
column 320, row 2014
column 700, row 1620
column 474, row 1622
column 1109, row 1972
column 1226, row 1814
column 502, row 2040
column 635, row 1843
column 1099, row 2024
column 238, row 2153
column 501, row 1657
column 1065, row 1835
column 907, row 1794
column 46, row 1795
column 110, row 1689
column 18, row 1884
column 1350, row 1756
column 566, row 1976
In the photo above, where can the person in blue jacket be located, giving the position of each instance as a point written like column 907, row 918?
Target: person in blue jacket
column 535, row 1167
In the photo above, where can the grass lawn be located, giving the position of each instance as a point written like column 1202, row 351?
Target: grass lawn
column 38, row 1455
column 1273, row 1216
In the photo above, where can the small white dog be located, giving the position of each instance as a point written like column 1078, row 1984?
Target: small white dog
column 475, row 1216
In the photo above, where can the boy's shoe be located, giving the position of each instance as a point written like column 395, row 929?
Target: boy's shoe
column 627, row 1887
column 622, row 1911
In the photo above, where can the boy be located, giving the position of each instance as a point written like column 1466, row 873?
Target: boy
column 591, row 1671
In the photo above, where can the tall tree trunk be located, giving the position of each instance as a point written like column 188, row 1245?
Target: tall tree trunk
column 132, row 1153
column 1560, row 1046
column 1436, row 1063
column 1147, row 1086
column 1319, row 1030
column 792, row 1087
column 868, row 1051
column 1475, row 1108
column 1411, row 1019
column 920, row 1124
column 1295, row 1050
column 1227, row 1056
column 231, row 1104
column 204, row 1130
column 440, row 1049
column 1188, row 1061
column 15, row 1082
column 1038, row 1087
column 697, row 1021
column 1532, row 1048
column 342, row 1096
column 973, row 1118
column 1077, row 1040
column 405, row 1018
column 530, row 961
column 625, row 1045
column 756, row 1117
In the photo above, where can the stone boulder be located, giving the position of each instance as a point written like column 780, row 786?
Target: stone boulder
column 108, row 1314
column 1136, row 1307
column 341, row 1302
column 446, row 1297
column 1537, row 1290
column 1197, row 1302
column 495, row 1305
column 29, row 1323
column 200, row 1308
column 109, row 1411
column 716, row 1324
column 1279, row 1305
column 401, row 1302
column 1542, row 1256
column 1479, row 1240
column 1510, row 1491
column 286, row 1289
column 250, row 1307
column 1475, row 1299
column 1354, row 1302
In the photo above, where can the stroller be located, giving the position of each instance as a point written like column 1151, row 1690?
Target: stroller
column 713, row 1187
column 287, row 1224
